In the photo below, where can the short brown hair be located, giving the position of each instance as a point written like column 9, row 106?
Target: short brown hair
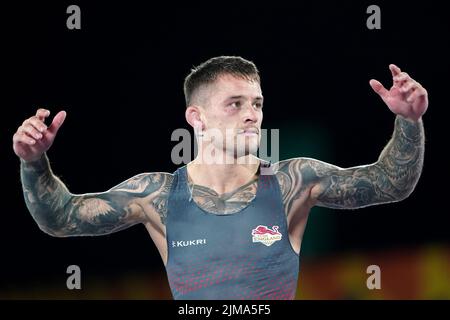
column 208, row 72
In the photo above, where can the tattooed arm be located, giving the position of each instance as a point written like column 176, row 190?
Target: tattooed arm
column 61, row 213
column 392, row 178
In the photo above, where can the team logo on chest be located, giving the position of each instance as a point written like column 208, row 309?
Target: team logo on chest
column 265, row 235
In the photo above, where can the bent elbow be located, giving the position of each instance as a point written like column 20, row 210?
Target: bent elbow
column 405, row 192
column 50, row 227
column 53, row 232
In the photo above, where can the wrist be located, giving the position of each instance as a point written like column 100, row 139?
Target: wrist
column 40, row 164
column 410, row 119
column 409, row 129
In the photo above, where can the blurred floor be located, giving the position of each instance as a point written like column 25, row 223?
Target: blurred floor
column 413, row 273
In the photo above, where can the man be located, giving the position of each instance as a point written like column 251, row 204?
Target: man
column 223, row 229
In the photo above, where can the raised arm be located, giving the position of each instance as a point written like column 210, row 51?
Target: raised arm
column 391, row 178
column 61, row 213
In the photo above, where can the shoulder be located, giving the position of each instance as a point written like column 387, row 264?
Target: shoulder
column 155, row 188
column 158, row 178
column 146, row 182
column 306, row 169
column 297, row 174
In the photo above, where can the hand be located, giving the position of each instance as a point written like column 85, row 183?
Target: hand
column 406, row 96
column 33, row 138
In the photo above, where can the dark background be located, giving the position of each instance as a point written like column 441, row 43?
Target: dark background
column 120, row 80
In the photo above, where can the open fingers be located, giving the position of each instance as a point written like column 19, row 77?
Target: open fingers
column 394, row 70
column 409, row 86
column 378, row 87
column 417, row 93
column 57, row 122
column 41, row 114
column 401, row 78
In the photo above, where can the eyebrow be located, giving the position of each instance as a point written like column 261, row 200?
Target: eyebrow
column 259, row 98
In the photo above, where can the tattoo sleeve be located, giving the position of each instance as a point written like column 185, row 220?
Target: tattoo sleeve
column 391, row 178
column 61, row 213
column 289, row 175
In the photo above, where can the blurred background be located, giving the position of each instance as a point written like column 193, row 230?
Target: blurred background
column 120, row 80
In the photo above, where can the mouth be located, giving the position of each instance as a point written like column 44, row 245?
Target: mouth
column 248, row 131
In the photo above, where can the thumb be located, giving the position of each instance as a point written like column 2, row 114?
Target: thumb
column 378, row 88
column 57, row 122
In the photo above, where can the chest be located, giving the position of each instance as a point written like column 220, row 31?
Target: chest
column 223, row 204
column 193, row 230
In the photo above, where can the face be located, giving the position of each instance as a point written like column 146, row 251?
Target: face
column 233, row 108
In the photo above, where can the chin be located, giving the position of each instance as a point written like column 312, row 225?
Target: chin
column 249, row 148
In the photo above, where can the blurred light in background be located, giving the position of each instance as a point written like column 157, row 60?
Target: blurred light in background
column 419, row 273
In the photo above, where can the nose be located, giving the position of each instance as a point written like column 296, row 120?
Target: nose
column 250, row 114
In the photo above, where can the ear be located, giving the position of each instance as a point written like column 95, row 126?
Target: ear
column 193, row 117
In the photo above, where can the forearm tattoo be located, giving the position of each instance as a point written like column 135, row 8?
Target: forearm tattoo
column 61, row 213
column 392, row 178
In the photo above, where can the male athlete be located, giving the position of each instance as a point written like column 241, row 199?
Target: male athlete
column 223, row 229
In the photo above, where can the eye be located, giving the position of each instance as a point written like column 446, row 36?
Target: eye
column 259, row 105
column 235, row 104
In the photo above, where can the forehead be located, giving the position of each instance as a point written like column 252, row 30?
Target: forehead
column 227, row 85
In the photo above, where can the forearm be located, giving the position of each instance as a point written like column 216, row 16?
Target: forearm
column 391, row 178
column 45, row 195
column 401, row 161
